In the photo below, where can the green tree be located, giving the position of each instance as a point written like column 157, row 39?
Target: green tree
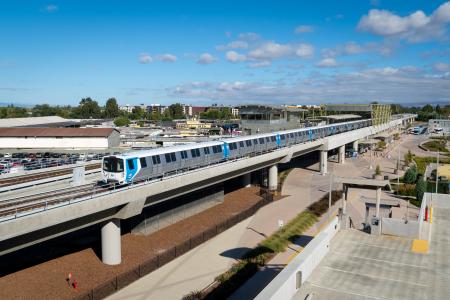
column 12, row 111
column 155, row 116
column 88, row 109
column 137, row 113
column 421, row 187
column 427, row 108
column 176, row 111
column 378, row 170
column 122, row 121
column 111, row 108
column 410, row 175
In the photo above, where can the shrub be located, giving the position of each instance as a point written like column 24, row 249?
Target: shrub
column 121, row 121
column 195, row 295
column 378, row 170
column 381, row 144
column 407, row 190
column 421, row 187
column 410, row 175
column 408, row 158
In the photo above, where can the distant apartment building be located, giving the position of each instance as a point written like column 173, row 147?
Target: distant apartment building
column 235, row 111
column 441, row 126
column 127, row 108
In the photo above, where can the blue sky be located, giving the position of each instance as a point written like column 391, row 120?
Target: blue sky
column 225, row 52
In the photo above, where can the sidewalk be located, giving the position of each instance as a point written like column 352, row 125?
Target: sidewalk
column 196, row 269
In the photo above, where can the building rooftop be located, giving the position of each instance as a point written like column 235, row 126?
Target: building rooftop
column 35, row 121
column 55, row 132
column 341, row 117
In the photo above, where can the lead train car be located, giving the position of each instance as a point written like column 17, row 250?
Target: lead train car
column 154, row 163
column 148, row 164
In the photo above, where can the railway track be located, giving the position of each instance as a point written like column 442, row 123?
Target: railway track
column 14, row 206
column 41, row 175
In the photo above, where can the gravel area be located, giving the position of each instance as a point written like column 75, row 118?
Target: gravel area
column 48, row 280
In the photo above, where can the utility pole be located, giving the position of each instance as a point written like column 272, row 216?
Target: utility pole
column 437, row 175
column 329, row 195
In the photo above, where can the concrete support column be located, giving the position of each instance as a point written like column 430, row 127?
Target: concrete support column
column 111, row 248
column 377, row 212
column 355, row 146
column 341, row 155
column 246, row 180
column 323, row 162
column 273, row 178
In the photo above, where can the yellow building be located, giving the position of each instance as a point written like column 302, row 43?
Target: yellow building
column 444, row 171
column 193, row 124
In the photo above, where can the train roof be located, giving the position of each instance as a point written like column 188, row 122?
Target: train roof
column 163, row 150
column 247, row 137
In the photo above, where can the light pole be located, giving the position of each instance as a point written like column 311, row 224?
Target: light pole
column 437, row 175
column 329, row 195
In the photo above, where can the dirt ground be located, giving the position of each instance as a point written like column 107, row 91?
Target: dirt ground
column 48, row 280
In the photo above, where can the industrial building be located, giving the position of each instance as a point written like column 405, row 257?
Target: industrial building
column 50, row 121
column 263, row 118
column 441, row 126
column 58, row 138
column 379, row 113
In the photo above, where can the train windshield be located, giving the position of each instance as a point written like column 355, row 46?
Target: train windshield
column 113, row 164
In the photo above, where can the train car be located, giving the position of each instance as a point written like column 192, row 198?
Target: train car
column 154, row 163
column 148, row 164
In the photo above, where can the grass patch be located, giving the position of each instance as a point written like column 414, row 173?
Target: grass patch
column 228, row 282
column 422, row 162
column 436, row 145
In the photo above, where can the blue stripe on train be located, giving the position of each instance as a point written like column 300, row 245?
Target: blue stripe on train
column 130, row 173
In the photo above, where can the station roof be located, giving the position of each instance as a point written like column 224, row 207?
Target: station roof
column 36, row 121
column 341, row 117
column 55, row 132
column 258, row 109
column 349, row 107
column 387, row 202
column 370, row 183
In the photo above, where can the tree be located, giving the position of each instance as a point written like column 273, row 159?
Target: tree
column 410, row 175
column 427, row 108
column 122, row 121
column 378, row 170
column 13, row 112
column 137, row 113
column 421, row 187
column 408, row 158
column 88, row 109
column 111, row 108
column 176, row 111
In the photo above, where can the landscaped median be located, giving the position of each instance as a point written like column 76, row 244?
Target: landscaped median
column 228, row 282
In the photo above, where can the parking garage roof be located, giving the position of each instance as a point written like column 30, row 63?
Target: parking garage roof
column 55, row 132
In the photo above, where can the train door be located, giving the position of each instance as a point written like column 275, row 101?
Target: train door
column 131, row 168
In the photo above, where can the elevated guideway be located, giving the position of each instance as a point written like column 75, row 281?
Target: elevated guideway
column 109, row 207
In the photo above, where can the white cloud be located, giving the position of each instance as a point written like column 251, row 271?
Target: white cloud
column 166, row 57
column 304, row 29
column 327, row 63
column 441, row 67
column 249, row 36
column 51, row 8
column 260, row 64
column 233, row 45
column 389, row 84
column 234, row 57
column 145, row 58
column 206, row 59
column 353, row 48
column 272, row 50
column 304, row 51
column 416, row 27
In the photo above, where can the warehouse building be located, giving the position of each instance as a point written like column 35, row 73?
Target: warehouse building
column 59, row 138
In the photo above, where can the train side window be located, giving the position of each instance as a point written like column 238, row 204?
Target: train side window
column 130, row 164
column 273, row 139
column 267, row 139
column 197, row 151
column 168, row 158
column 193, row 153
column 255, row 141
column 282, row 137
column 241, row 144
column 154, row 160
column 173, row 157
column 219, row 149
column 183, row 154
column 214, row 149
column 291, row 135
column 261, row 140
column 206, row 150
column 248, row 143
column 143, row 162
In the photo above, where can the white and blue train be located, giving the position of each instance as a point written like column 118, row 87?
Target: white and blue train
column 154, row 163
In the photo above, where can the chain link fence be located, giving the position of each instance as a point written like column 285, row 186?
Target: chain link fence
column 121, row 280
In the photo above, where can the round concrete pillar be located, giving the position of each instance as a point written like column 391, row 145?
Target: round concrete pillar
column 355, row 146
column 111, row 247
column 341, row 156
column 273, row 178
column 323, row 162
column 246, row 180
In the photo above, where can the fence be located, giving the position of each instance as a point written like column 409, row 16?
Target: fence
column 109, row 287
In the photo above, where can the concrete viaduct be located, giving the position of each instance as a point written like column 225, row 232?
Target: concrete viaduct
column 110, row 207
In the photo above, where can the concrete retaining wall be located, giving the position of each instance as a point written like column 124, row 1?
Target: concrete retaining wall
column 398, row 227
column 287, row 283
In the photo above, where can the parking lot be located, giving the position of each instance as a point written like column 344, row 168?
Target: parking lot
column 17, row 162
